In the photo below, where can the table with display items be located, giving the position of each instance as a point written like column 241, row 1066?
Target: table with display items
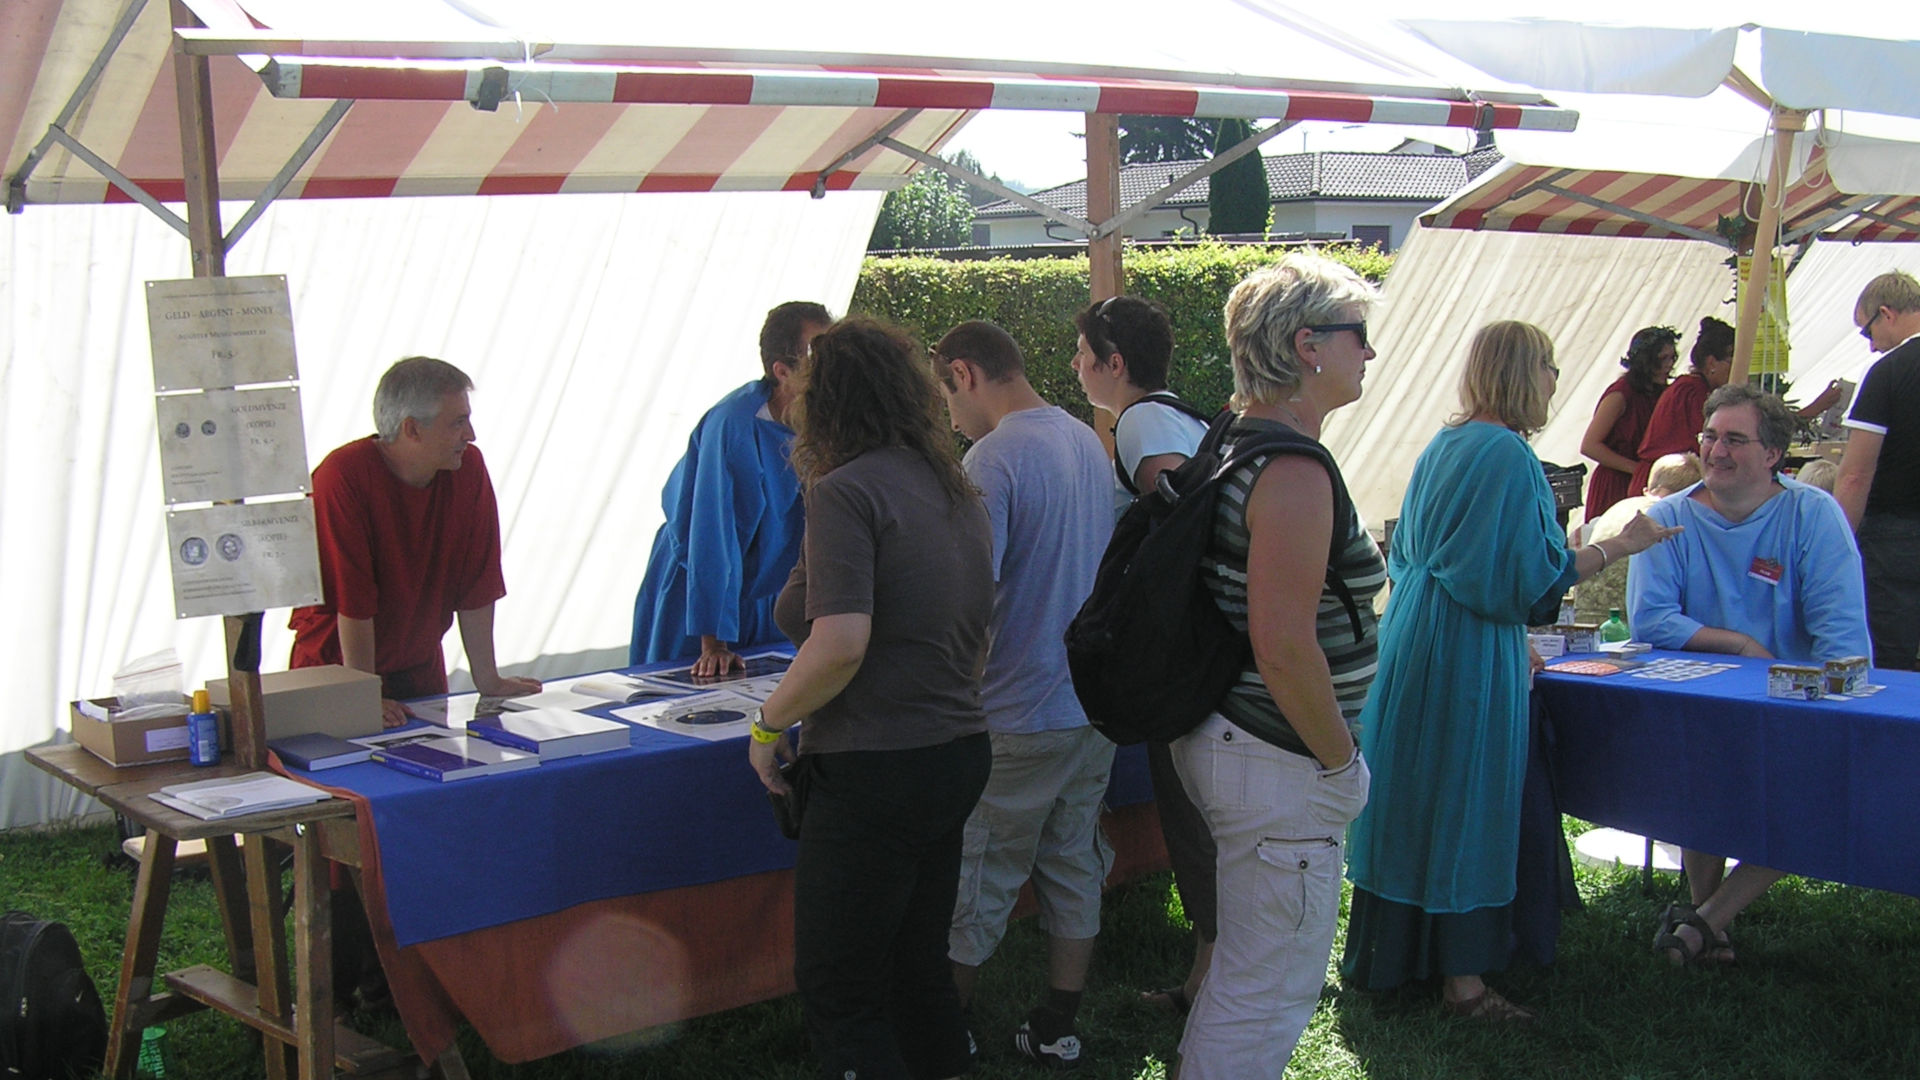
column 599, row 895
column 281, row 988
column 1822, row 788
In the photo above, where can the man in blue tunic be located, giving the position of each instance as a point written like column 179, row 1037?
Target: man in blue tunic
column 734, row 517
column 1766, row 568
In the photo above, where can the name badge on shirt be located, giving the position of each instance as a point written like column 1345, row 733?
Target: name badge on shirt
column 1766, row 570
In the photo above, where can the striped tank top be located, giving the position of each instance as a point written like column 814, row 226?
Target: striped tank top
column 1351, row 658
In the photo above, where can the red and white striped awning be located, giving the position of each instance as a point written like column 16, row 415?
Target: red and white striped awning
column 449, row 116
column 1678, row 169
column 1516, row 197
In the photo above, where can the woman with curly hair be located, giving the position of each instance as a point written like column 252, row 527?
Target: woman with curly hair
column 890, row 605
column 1620, row 420
column 1674, row 427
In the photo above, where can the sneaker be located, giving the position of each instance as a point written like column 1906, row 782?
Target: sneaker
column 1043, row 1038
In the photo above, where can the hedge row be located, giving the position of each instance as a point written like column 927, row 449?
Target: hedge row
column 1035, row 300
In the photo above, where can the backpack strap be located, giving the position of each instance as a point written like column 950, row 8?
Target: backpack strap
column 1172, row 401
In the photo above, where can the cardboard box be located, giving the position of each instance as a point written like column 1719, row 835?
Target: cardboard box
column 133, row 742
column 332, row 700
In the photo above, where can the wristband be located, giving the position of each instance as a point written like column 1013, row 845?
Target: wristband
column 762, row 733
column 1602, row 549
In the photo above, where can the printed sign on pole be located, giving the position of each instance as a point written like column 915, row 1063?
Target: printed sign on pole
column 231, row 444
column 237, row 558
column 218, row 332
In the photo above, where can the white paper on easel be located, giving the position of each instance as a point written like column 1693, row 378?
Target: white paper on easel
column 220, row 331
column 230, row 560
column 231, row 444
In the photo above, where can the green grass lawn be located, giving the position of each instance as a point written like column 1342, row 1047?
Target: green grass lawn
column 1827, row 986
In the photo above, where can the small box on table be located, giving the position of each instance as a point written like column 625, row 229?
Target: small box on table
column 1806, row 682
column 130, row 742
column 330, row 699
column 1847, row 674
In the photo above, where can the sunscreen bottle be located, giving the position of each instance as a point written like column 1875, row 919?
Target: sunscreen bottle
column 203, row 732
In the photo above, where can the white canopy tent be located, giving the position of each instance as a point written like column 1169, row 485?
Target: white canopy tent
column 1589, row 293
column 1783, row 59
column 560, row 307
column 597, row 327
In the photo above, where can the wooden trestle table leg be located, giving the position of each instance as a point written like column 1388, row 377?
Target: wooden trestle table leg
column 137, row 959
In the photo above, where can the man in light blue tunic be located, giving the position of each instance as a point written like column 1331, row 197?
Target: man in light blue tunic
column 734, row 516
column 1767, row 567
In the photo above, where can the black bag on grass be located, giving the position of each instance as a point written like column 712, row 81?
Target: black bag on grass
column 51, row 1024
column 1150, row 653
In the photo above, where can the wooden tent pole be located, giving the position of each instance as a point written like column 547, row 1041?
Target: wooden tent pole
column 1786, row 124
column 200, row 165
column 1105, row 271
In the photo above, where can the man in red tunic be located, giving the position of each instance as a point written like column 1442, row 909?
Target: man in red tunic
column 409, row 539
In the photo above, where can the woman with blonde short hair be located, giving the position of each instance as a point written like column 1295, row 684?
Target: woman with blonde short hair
column 1274, row 768
column 1477, row 558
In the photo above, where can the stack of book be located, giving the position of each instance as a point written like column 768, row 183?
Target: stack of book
column 451, row 757
column 552, row 733
column 233, row 796
column 317, row 750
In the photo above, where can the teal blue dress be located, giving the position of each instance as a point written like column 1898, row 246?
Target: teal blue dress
column 1478, row 556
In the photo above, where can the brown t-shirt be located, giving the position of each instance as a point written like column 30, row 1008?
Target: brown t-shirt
column 884, row 540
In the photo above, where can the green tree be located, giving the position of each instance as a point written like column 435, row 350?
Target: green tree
column 1238, row 200
column 930, row 211
column 977, row 196
column 1145, row 140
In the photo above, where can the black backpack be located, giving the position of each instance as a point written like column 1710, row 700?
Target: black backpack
column 1150, row 652
column 51, row 1024
column 1172, row 401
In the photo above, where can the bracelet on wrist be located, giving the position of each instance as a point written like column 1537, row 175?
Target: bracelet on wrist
column 1604, row 557
column 762, row 733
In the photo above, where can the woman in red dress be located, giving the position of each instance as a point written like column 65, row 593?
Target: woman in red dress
column 1676, row 422
column 1619, row 421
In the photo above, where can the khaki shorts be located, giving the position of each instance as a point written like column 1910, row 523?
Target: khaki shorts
column 1039, row 818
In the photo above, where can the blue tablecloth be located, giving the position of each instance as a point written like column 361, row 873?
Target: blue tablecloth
column 1824, row 789
column 669, row 812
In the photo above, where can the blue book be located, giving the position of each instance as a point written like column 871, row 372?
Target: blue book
column 453, row 757
column 317, row 750
column 552, row 733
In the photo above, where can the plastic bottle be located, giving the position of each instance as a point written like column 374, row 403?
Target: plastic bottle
column 152, row 1064
column 1615, row 628
column 203, row 731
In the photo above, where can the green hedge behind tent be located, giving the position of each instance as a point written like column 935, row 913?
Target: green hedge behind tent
column 1035, row 299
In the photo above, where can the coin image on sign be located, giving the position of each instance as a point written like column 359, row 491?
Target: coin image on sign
column 193, row 551
column 230, row 546
column 207, row 427
column 711, row 716
column 182, row 430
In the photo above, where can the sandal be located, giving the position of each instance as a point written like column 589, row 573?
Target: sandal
column 1714, row 948
column 1487, row 1007
column 1173, row 998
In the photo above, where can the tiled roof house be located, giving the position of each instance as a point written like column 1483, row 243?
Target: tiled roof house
column 1369, row 197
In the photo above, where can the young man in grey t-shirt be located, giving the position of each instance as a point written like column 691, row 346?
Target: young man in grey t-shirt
column 1048, row 489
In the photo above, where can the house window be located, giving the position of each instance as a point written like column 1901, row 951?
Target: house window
column 1369, row 235
column 982, row 234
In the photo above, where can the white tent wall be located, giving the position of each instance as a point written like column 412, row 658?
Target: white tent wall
column 1589, row 293
column 1820, row 295
column 597, row 329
